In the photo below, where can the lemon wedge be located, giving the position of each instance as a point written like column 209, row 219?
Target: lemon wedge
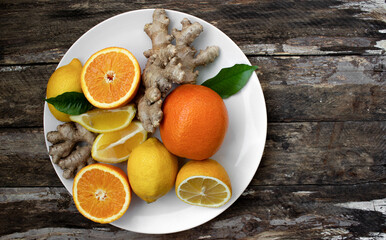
column 115, row 147
column 203, row 183
column 106, row 120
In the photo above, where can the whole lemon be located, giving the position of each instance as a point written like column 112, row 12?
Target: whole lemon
column 152, row 170
column 64, row 79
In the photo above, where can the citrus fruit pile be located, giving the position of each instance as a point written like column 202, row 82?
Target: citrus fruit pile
column 194, row 126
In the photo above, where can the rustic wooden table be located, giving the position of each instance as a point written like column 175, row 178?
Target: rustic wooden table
column 322, row 69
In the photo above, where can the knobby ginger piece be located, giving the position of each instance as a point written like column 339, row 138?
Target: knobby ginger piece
column 71, row 148
column 186, row 54
column 168, row 64
column 160, row 71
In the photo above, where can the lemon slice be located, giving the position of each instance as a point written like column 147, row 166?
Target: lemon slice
column 115, row 147
column 203, row 183
column 204, row 191
column 102, row 120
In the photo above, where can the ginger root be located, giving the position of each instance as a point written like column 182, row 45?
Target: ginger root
column 186, row 54
column 71, row 148
column 168, row 64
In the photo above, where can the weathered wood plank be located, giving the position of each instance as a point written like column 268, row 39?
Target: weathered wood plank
column 41, row 31
column 321, row 71
column 325, row 103
column 292, row 212
column 295, row 153
column 323, row 88
column 339, row 88
column 24, row 159
column 23, row 90
column 323, row 153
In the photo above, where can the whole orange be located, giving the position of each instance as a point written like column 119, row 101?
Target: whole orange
column 195, row 122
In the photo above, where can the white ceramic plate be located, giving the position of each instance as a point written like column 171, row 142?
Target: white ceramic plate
column 244, row 143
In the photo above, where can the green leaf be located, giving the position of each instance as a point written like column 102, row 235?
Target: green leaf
column 72, row 103
column 230, row 80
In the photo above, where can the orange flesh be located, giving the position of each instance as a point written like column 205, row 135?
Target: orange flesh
column 100, row 193
column 109, row 77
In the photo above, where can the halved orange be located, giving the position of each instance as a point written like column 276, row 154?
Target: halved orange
column 110, row 78
column 101, row 192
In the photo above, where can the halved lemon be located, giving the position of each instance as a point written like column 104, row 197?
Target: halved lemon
column 106, row 120
column 203, row 183
column 101, row 192
column 115, row 147
column 110, row 78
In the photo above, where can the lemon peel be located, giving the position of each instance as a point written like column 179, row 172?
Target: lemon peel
column 152, row 170
column 106, row 120
column 64, row 79
column 203, row 183
column 115, row 147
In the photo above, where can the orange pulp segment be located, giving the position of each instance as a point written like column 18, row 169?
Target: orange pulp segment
column 101, row 192
column 110, row 78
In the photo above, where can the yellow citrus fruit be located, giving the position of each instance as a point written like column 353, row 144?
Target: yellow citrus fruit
column 106, row 120
column 115, row 147
column 203, row 183
column 101, row 192
column 64, row 79
column 110, row 77
column 152, row 170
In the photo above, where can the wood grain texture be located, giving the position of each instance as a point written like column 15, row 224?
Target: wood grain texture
column 24, row 159
column 339, row 88
column 323, row 153
column 42, row 31
column 323, row 88
column 285, row 212
column 295, row 154
column 23, row 90
column 322, row 67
